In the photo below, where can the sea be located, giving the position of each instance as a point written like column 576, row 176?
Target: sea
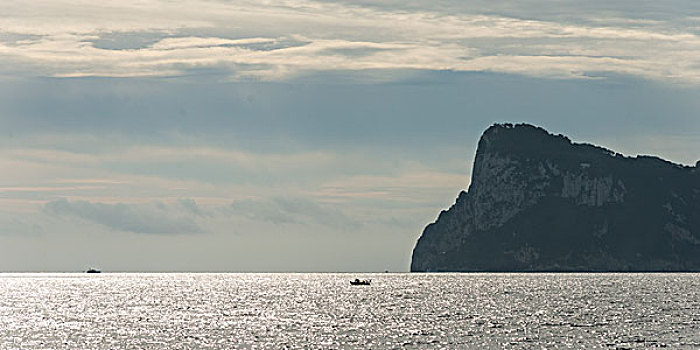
column 323, row 311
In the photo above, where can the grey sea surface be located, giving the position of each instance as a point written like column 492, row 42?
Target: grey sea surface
column 323, row 311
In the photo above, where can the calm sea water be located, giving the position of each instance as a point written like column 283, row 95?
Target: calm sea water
column 322, row 311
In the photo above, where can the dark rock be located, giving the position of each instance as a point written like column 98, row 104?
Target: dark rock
column 539, row 202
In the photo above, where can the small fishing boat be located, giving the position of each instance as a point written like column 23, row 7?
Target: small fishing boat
column 359, row 282
column 91, row 270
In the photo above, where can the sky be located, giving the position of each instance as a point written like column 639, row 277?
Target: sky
column 212, row 135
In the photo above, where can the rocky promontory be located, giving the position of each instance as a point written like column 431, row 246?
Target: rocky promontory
column 539, row 202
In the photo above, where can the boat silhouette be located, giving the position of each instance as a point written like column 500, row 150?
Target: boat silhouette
column 359, row 282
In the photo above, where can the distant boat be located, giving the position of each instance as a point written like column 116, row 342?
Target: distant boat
column 91, row 270
column 359, row 282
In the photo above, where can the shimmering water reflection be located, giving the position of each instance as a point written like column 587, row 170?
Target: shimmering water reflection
column 322, row 311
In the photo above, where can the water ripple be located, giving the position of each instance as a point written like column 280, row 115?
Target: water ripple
column 322, row 311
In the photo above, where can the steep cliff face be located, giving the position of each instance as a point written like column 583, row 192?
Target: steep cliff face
column 539, row 202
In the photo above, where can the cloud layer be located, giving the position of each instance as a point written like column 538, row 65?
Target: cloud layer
column 150, row 218
column 184, row 216
column 246, row 40
column 292, row 210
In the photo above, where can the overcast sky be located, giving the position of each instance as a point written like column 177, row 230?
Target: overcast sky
column 195, row 135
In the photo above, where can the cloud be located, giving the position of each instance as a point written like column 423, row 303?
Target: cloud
column 293, row 210
column 144, row 154
column 146, row 218
column 161, row 38
column 215, row 165
column 416, row 186
column 20, row 224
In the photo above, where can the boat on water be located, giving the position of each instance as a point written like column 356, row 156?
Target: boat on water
column 91, row 270
column 359, row 282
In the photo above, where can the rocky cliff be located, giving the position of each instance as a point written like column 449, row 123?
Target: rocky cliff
column 538, row 202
